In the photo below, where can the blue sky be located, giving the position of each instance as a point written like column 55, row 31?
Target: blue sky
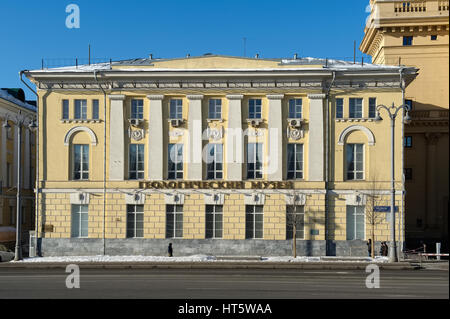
column 32, row 30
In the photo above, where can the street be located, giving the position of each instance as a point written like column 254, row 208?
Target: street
column 222, row 284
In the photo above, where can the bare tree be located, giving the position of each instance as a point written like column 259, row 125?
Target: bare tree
column 374, row 217
column 295, row 220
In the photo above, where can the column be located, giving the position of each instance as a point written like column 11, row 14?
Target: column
column 432, row 211
column 3, row 153
column 316, row 138
column 116, row 138
column 234, row 148
column 156, row 147
column 16, row 155
column 26, row 161
column 275, row 138
column 194, row 149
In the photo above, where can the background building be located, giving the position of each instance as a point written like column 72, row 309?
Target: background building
column 416, row 33
column 122, row 172
column 12, row 102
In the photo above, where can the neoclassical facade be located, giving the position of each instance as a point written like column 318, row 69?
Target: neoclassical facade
column 218, row 155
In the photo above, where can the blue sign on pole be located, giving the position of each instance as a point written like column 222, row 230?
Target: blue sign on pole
column 384, row 209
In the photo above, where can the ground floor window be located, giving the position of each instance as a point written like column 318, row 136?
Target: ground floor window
column 80, row 221
column 135, row 221
column 355, row 222
column 214, row 221
column 254, row 217
column 295, row 216
column 174, row 221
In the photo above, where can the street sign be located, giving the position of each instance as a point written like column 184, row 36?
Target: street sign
column 384, row 209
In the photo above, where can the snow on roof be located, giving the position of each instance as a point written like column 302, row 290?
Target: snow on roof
column 6, row 96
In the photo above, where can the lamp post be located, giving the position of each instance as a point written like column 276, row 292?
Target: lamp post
column 393, row 111
column 20, row 120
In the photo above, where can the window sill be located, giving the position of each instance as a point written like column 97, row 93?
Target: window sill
column 80, row 121
column 355, row 120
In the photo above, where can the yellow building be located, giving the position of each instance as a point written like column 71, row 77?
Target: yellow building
column 416, row 33
column 13, row 107
column 216, row 154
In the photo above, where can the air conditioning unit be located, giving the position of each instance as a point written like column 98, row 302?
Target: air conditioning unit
column 297, row 123
column 254, row 122
column 135, row 122
column 176, row 122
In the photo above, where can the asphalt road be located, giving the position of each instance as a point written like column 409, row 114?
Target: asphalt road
column 222, row 284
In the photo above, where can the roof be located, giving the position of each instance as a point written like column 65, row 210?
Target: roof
column 13, row 95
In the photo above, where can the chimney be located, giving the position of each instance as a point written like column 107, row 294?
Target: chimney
column 257, row 56
column 295, row 56
column 188, row 55
column 151, row 56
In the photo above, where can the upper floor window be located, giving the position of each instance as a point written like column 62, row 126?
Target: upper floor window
column 175, row 169
column 65, row 109
column 215, row 109
column 254, row 160
column 339, row 108
column 95, row 112
column 372, row 107
column 136, row 164
column 294, row 161
column 407, row 40
column 355, row 108
column 176, row 109
column 434, row 37
column 80, row 221
column 407, row 141
column 135, row 221
column 295, row 108
column 214, row 160
column 355, row 161
column 254, row 108
column 408, row 174
column 80, row 109
column 409, row 103
column 80, row 161
column 137, row 109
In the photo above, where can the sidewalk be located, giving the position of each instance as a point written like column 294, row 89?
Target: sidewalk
column 208, row 262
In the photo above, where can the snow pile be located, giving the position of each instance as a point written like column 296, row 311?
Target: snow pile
column 102, row 259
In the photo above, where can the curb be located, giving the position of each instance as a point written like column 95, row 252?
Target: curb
column 212, row 265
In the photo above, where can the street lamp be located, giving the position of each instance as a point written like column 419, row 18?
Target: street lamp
column 20, row 120
column 393, row 111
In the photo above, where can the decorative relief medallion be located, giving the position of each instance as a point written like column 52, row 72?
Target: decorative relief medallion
column 176, row 133
column 214, row 133
column 254, row 132
column 136, row 135
column 295, row 134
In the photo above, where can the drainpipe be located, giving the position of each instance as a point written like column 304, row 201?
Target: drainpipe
column 36, row 199
column 104, row 161
column 401, row 221
column 327, row 160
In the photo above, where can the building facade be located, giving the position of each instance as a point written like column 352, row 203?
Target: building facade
column 416, row 33
column 217, row 155
column 12, row 106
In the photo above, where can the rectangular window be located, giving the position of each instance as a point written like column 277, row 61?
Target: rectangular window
column 434, row 37
column 355, row 108
column 294, row 161
column 175, row 168
column 407, row 142
column 135, row 221
column 372, row 107
column 408, row 174
column 80, row 221
column 295, row 216
column 295, row 108
column 174, row 221
column 215, row 109
column 409, row 103
column 355, row 161
column 355, row 222
column 137, row 109
column 80, row 161
column 136, row 163
column 176, row 109
column 80, row 109
column 254, row 108
column 339, row 108
column 407, row 40
column 254, row 222
column 214, row 161
column 254, row 160
column 95, row 114
column 214, row 221
column 12, row 215
column 65, row 109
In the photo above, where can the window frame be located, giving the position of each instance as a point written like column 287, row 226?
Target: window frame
column 295, row 110
column 253, row 222
column 176, row 109
column 408, row 141
column 214, row 230
column 135, row 214
column 137, row 109
column 339, row 108
column 80, row 106
column 372, row 112
column 65, row 109
column 95, row 109
column 179, row 165
column 79, row 214
column 82, row 170
column 257, row 104
column 174, row 211
column 139, row 173
column 258, row 148
column 215, row 109
column 212, row 167
column 290, row 209
column 354, row 111
column 354, row 171
column 295, row 146
column 408, row 40
column 355, row 223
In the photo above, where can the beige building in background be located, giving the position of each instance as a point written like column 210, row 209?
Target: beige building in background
column 122, row 172
column 416, row 33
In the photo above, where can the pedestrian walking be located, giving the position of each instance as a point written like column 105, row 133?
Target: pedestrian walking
column 369, row 247
column 170, row 250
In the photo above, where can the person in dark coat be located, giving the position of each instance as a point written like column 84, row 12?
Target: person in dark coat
column 369, row 247
column 386, row 249
column 170, row 250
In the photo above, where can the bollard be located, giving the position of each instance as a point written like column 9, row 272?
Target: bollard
column 438, row 251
